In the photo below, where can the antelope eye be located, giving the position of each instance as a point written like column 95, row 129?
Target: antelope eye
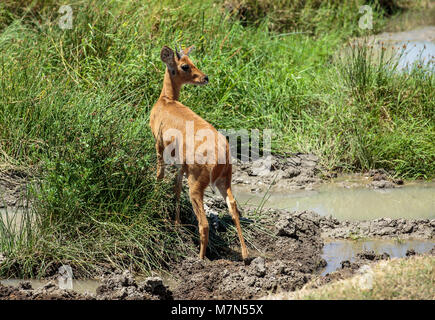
column 185, row 67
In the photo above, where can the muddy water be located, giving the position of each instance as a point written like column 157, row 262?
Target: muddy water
column 412, row 47
column 351, row 199
column 80, row 286
column 417, row 52
column 337, row 251
column 345, row 202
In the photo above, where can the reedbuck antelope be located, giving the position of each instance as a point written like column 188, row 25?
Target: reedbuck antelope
column 203, row 162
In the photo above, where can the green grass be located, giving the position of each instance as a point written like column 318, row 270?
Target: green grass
column 74, row 108
column 400, row 279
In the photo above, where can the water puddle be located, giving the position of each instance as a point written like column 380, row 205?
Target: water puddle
column 417, row 52
column 412, row 48
column 415, row 201
column 336, row 251
column 79, row 286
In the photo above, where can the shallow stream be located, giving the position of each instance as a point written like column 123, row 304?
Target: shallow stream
column 350, row 202
column 335, row 252
column 353, row 200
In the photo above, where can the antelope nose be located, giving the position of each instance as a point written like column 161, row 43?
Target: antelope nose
column 205, row 78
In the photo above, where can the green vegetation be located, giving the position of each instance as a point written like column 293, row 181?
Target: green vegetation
column 74, row 107
column 400, row 279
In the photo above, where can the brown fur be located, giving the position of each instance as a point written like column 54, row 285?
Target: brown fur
column 169, row 113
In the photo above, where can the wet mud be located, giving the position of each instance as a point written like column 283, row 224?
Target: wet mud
column 285, row 256
column 117, row 286
column 290, row 255
column 291, row 172
column 361, row 263
column 383, row 228
column 298, row 171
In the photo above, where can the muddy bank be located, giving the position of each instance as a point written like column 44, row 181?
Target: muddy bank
column 384, row 228
column 363, row 261
column 48, row 292
column 290, row 255
column 298, row 171
column 118, row 286
column 292, row 258
column 285, row 256
column 295, row 171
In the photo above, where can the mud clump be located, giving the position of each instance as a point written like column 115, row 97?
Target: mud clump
column 294, row 171
column 50, row 291
column 123, row 286
column 362, row 261
column 290, row 255
column 372, row 256
column 303, row 225
column 385, row 228
column 381, row 179
column 364, row 258
column 118, row 286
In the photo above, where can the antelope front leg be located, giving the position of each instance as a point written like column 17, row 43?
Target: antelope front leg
column 160, row 162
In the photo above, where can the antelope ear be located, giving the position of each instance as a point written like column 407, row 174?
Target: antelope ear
column 167, row 56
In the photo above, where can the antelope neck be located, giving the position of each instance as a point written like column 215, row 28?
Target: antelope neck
column 171, row 89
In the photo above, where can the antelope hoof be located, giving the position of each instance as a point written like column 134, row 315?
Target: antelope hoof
column 245, row 257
